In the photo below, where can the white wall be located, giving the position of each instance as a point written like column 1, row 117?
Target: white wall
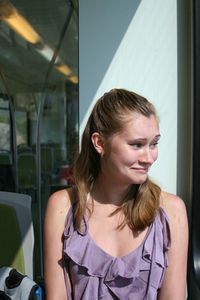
column 133, row 45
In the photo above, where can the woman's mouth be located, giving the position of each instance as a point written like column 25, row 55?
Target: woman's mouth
column 141, row 170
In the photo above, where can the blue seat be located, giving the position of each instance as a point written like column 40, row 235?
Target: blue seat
column 16, row 286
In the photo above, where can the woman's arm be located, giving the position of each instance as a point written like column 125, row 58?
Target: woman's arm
column 174, row 284
column 57, row 208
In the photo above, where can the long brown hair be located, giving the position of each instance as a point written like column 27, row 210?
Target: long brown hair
column 108, row 117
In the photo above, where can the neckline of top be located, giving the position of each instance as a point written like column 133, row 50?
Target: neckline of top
column 123, row 257
column 84, row 231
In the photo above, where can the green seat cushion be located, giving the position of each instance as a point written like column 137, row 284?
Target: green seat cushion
column 11, row 251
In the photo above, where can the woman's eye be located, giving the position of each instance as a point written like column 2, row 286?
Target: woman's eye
column 152, row 146
column 137, row 145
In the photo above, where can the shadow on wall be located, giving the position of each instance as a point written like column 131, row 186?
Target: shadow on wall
column 113, row 26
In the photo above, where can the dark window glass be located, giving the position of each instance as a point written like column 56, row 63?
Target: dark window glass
column 39, row 119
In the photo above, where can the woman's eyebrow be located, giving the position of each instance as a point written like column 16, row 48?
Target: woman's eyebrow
column 157, row 137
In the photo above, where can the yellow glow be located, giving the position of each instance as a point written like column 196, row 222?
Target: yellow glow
column 73, row 79
column 18, row 23
column 64, row 69
column 10, row 16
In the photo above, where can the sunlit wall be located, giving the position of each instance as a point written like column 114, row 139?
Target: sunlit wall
column 134, row 45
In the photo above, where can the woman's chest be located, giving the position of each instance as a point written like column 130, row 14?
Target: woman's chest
column 114, row 241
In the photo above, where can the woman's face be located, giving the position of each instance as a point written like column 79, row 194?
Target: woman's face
column 128, row 155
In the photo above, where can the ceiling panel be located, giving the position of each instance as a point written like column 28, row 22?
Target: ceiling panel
column 25, row 65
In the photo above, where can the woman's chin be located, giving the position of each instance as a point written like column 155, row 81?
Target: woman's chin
column 140, row 180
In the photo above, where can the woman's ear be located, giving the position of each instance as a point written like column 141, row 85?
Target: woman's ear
column 98, row 143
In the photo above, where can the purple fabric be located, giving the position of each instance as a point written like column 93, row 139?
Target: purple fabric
column 94, row 274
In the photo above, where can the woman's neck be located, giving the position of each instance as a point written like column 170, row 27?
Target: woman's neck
column 107, row 193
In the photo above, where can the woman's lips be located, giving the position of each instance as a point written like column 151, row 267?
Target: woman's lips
column 141, row 170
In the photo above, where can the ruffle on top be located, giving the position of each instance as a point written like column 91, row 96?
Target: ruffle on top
column 94, row 274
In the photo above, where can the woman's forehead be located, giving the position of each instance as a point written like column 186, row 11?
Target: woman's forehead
column 140, row 125
column 136, row 119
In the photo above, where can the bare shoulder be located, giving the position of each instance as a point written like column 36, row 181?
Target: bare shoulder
column 177, row 254
column 59, row 204
column 171, row 202
column 54, row 225
column 60, row 199
column 175, row 209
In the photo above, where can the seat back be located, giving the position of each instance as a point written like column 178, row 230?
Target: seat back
column 24, row 242
column 5, row 157
column 7, row 179
column 47, row 160
column 26, row 163
column 11, row 252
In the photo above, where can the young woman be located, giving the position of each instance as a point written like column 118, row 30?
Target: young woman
column 115, row 234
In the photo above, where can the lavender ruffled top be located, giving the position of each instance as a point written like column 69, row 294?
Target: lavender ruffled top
column 95, row 275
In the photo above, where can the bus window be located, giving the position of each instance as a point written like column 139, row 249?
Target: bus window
column 4, row 124
column 39, row 72
column 21, row 127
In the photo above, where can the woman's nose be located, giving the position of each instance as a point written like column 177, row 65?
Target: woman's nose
column 147, row 156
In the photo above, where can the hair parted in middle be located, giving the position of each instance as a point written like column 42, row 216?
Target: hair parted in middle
column 108, row 117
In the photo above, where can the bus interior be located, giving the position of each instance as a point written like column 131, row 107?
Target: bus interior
column 38, row 103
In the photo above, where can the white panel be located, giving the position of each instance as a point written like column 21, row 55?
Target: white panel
column 133, row 45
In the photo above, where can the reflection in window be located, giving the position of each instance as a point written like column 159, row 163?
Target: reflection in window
column 39, row 72
column 21, row 127
column 4, row 125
